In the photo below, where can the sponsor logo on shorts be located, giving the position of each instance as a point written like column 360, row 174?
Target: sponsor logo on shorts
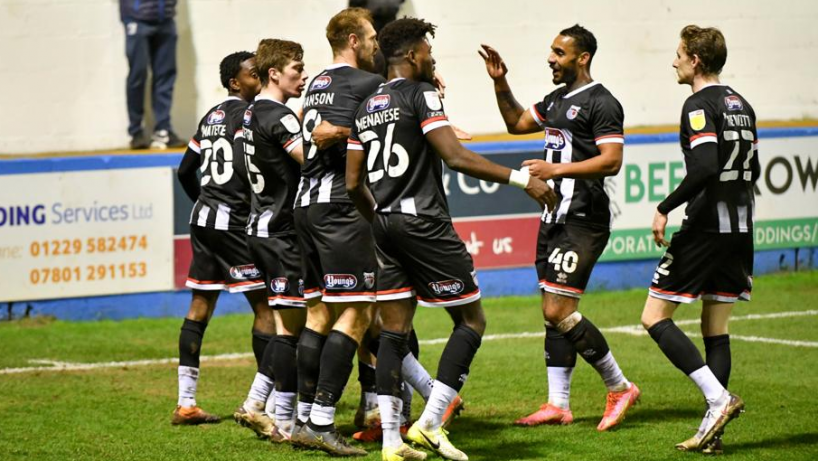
column 376, row 103
column 280, row 285
column 447, row 287
column 562, row 278
column 347, row 281
column 369, row 279
column 733, row 103
column 245, row 272
column 301, row 287
column 554, row 139
column 217, row 116
column 321, row 82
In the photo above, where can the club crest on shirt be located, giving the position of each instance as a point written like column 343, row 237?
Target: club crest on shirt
column 554, row 139
column 696, row 119
column 572, row 113
column 248, row 114
column 733, row 103
column 321, row 82
column 279, row 285
column 369, row 280
column 376, row 103
column 432, row 100
column 291, row 123
column 217, row 116
column 340, row 281
column 245, row 272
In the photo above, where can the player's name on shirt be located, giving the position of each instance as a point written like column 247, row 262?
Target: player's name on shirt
column 319, row 99
column 378, row 118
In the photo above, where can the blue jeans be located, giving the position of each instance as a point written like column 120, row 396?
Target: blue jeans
column 154, row 44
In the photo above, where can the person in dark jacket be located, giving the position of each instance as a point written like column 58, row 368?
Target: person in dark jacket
column 150, row 39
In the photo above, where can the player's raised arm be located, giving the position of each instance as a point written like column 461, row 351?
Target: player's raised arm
column 460, row 159
column 517, row 119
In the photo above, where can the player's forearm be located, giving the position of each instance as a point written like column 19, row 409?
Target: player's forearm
column 326, row 135
column 702, row 166
column 594, row 168
column 362, row 197
column 187, row 175
column 477, row 166
column 510, row 109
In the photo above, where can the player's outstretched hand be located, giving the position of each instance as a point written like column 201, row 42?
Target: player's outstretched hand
column 495, row 66
column 541, row 169
column 542, row 193
column 659, row 225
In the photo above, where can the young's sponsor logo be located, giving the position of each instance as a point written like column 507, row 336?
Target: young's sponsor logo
column 733, row 103
column 217, row 116
column 340, row 281
column 321, row 82
column 554, row 139
column 447, row 287
column 376, row 103
column 245, row 272
column 280, row 285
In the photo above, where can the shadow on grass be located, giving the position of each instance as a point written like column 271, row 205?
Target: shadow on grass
column 806, row 438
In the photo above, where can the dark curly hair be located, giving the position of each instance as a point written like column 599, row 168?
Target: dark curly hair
column 231, row 66
column 399, row 36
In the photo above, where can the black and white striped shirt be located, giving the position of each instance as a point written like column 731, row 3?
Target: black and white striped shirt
column 224, row 201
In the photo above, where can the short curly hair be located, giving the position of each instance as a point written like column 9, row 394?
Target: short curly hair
column 399, row 36
column 708, row 44
column 231, row 66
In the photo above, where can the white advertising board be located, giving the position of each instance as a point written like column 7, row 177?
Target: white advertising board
column 85, row 233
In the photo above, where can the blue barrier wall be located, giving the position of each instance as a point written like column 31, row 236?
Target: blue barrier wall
column 496, row 282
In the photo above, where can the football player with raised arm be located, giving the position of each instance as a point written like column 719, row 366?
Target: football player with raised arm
column 584, row 138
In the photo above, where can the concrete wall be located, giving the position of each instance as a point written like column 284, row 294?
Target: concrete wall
column 62, row 62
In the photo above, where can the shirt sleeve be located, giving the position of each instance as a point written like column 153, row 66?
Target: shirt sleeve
column 429, row 108
column 697, row 125
column 538, row 111
column 608, row 121
column 190, row 163
column 354, row 141
column 287, row 131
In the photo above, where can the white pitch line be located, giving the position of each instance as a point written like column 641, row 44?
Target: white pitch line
column 634, row 330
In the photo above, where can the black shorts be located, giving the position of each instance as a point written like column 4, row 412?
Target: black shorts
column 709, row 266
column 566, row 255
column 221, row 261
column 337, row 253
column 279, row 261
column 423, row 258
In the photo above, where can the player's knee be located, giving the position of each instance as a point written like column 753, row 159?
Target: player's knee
column 474, row 318
column 650, row 318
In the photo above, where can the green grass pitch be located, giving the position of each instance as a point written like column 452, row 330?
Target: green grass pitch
column 123, row 412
